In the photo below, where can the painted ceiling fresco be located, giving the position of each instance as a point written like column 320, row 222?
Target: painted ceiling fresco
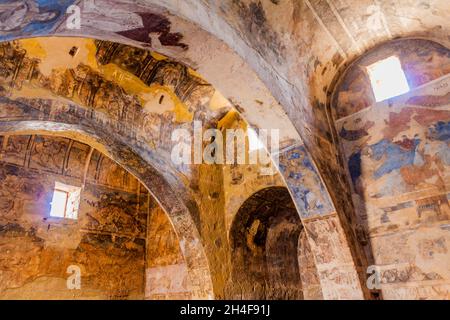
column 138, row 89
column 107, row 239
column 122, row 93
column 397, row 154
column 423, row 61
column 20, row 17
column 108, row 76
column 277, row 63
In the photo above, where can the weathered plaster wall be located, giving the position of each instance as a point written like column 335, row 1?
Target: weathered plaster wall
column 166, row 271
column 309, row 277
column 143, row 98
column 241, row 85
column 397, row 155
column 270, row 258
column 138, row 112
column 296, row 48
column 107, row 241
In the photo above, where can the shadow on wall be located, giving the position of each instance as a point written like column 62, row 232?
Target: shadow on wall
column 264, row 250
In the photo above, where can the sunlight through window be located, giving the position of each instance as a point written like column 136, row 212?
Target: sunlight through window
column 65, row 201
column 59, row 204
column 387, row 78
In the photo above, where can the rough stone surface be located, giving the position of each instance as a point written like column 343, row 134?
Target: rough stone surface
column 361, row 175
column 107, row 241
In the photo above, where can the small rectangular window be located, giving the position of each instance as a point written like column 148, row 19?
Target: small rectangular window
column 59, row 204
column 387, row 78
column 65, row 201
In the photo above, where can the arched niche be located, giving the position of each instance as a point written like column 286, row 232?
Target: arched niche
column 190, row 244
column 264, row 238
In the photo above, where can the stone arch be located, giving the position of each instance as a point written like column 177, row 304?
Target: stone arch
column 264, row 238
column 251, row 83
column 174, row 207
column 423, row 60
column 295, row 56
column 295, row 164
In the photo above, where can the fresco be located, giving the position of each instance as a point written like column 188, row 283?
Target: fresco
column 404, row 142
column 137, row 97
column 305, row 183
column 155, row 24
column 397, row 153
column 107, row 240
column 148, row 94
column 131, row 85
column 20, row 18
column 422, row 61
column 325, row 36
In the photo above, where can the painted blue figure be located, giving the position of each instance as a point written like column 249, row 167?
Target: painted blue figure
column 311, row 202
column 30, row 18
column 397, row 155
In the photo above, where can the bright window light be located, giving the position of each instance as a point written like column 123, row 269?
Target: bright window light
column 59, row 203
column 253, row 140
column 387, row 78
column 65, row 201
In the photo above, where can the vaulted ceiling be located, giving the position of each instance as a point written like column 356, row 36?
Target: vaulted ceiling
column 157, row 64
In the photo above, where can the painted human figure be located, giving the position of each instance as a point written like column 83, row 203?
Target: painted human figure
column 16, row 14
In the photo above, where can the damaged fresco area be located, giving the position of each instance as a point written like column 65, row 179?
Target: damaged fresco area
column 31, row 17
column 304, row 181
column 147, row 94
column 27, row 18
column 157, row 24
column 139, row 98
column 397, row 154
column 107, row 241
column 296, row 47
column 122, row 240
column 246, row 190
column 166, row 271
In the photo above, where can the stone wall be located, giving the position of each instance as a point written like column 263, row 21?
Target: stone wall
column 397, row 155
column 107, row 241
column 166, row 271
column 294, row 49
column 263, row 268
